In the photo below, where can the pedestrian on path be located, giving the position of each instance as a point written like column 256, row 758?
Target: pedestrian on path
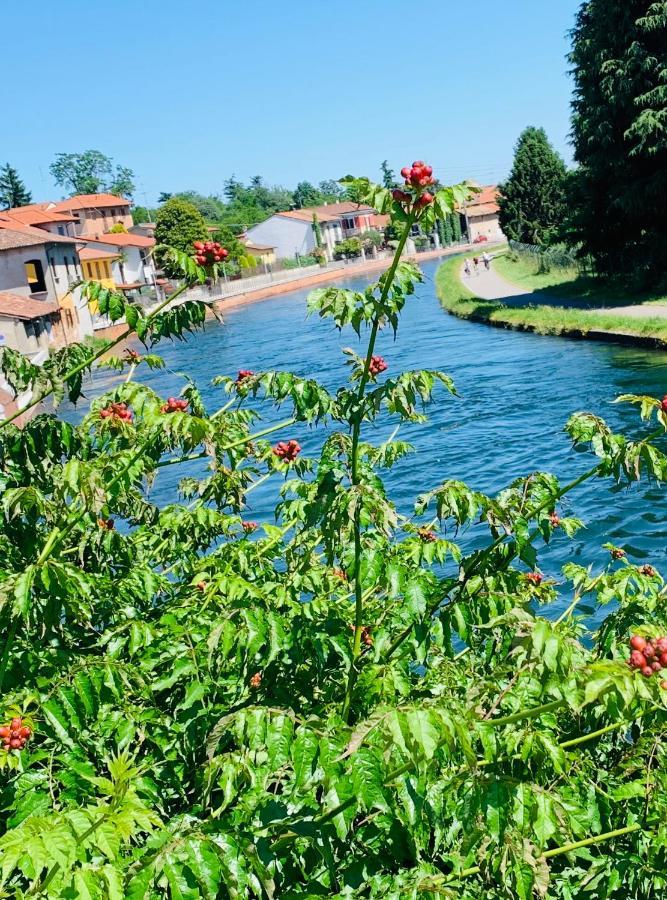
column 487, row 261
column 475, row 260
column 466, row 268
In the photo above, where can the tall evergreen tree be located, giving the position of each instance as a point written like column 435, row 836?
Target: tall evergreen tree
column 13, row 191
column 388, row 177
column 619, row 129
column 532, row 201
column 456, row 227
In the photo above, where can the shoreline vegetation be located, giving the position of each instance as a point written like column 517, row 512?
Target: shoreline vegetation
column 561, row 321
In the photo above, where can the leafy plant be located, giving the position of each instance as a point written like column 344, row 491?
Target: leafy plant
column 346, row 702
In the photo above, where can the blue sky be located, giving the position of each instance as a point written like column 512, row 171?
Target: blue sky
column 188, row 93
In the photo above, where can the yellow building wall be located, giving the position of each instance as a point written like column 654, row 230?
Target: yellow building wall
column 98, row 270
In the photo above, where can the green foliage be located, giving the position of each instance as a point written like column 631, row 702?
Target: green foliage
column 532, row 202
column 343, row 702
column 388, row 176
column 13, row 191
column 118, row 228
column 179, row 224
column 91, row 172
column 619, row 130
column 456, row 227
column 348, row 248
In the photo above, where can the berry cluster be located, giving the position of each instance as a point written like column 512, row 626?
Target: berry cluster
column 15, row 735
column 132, row 356
column 377, row 365
column 649, row 655
column 535, row 578
column 287, row 450
column 663, row 403
column 209, row 252
column 417, row 177
column 256, row 680
column 119, row 412
column 106, row 524
column 427, row 535
column 647, row 570
column 617, row 553
column 243, row 374
column 249, row 526
column 173, row 405
column 554, row 518
column 201, row 586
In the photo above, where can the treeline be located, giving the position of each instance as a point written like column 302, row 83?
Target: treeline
column 242, row 205
column 613, row 205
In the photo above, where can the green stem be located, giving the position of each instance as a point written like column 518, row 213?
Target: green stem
column 557, row 851
column 526, row 713
column 354, row 468
column 91, row 359
column 251, row 437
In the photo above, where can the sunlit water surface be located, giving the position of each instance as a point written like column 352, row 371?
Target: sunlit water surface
column 516, row 392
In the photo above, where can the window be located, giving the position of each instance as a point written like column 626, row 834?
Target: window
column 97, row 271
column 61, row 229
column 348, row 223
column 66, row 261
column 34, row 274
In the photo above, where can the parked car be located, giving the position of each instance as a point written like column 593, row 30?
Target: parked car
column 480, row 239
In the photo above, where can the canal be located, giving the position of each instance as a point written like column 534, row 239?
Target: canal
column 516, row 393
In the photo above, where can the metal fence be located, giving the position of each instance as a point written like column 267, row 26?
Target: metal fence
column 557, row 257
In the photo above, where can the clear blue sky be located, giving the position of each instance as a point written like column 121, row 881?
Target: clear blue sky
column 188, row 93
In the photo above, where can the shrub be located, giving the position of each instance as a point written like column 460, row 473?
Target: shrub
column 343, row 702
column 347, row 249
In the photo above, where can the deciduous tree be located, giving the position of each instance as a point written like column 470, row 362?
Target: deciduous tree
column 179, row 224
column 91, row 172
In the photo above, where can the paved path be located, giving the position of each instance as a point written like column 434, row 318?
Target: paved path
column 489, row 285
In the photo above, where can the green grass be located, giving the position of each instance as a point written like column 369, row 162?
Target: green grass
column 568, row 284
column 556, row 320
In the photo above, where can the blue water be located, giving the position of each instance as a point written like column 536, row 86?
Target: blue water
column 516, row 392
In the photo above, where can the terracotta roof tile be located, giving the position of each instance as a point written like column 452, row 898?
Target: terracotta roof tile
column 120, row 239
column 16, row 306
column 328, row 212
column 89, row 201
column 36, row 215
column 13, row 235
column 87, row 253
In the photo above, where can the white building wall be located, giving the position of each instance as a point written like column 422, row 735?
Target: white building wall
column 289, row 236
column 487, row 226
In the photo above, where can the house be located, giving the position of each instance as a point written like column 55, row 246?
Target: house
column 263, row 253
column 130, row 256
column 291, row 233
column 27, row 325
column 76, row 216
column 40, row 265
column 96, row 265
column 481, row 215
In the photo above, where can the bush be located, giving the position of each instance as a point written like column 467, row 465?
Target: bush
column 347, row 249
column 344, row 701
column 422, row 242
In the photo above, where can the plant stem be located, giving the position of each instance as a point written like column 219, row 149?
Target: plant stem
column 526, row 713
column 11, row 634
column 354, row 468
column 251, row 437
column 557, row 851
column 91, row 359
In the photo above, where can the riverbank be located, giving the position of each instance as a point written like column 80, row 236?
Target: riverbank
column 312, row 281
column 641, row 326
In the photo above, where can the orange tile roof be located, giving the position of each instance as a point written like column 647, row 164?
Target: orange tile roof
column 89, row 201
column 481, row 209
column 328, row 212
column 13, row 234
column 16, row 306
column 36, row 215
column 87, row 253
column 121, row 239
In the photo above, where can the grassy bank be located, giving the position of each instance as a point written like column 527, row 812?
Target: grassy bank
column 569, row 284
column 556, row 320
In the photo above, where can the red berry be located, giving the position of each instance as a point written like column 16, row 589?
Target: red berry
column 649, row 571
column 256, row 680
column 663, row 403
column 637, row 659
column 647, row 671
column 617, row 553
column 25, row 732
column 15, row 743
column 656, row 665
column 377, row 365
column 249, row 526
column 637, row 642
column 16, row 722
column 4, row 732
column 534, row 578
column 649, row 651
column 198, row 245
column 663, row 685
column 243, row 374
column 427, row 535
column 661, row 645
column 201, row 586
